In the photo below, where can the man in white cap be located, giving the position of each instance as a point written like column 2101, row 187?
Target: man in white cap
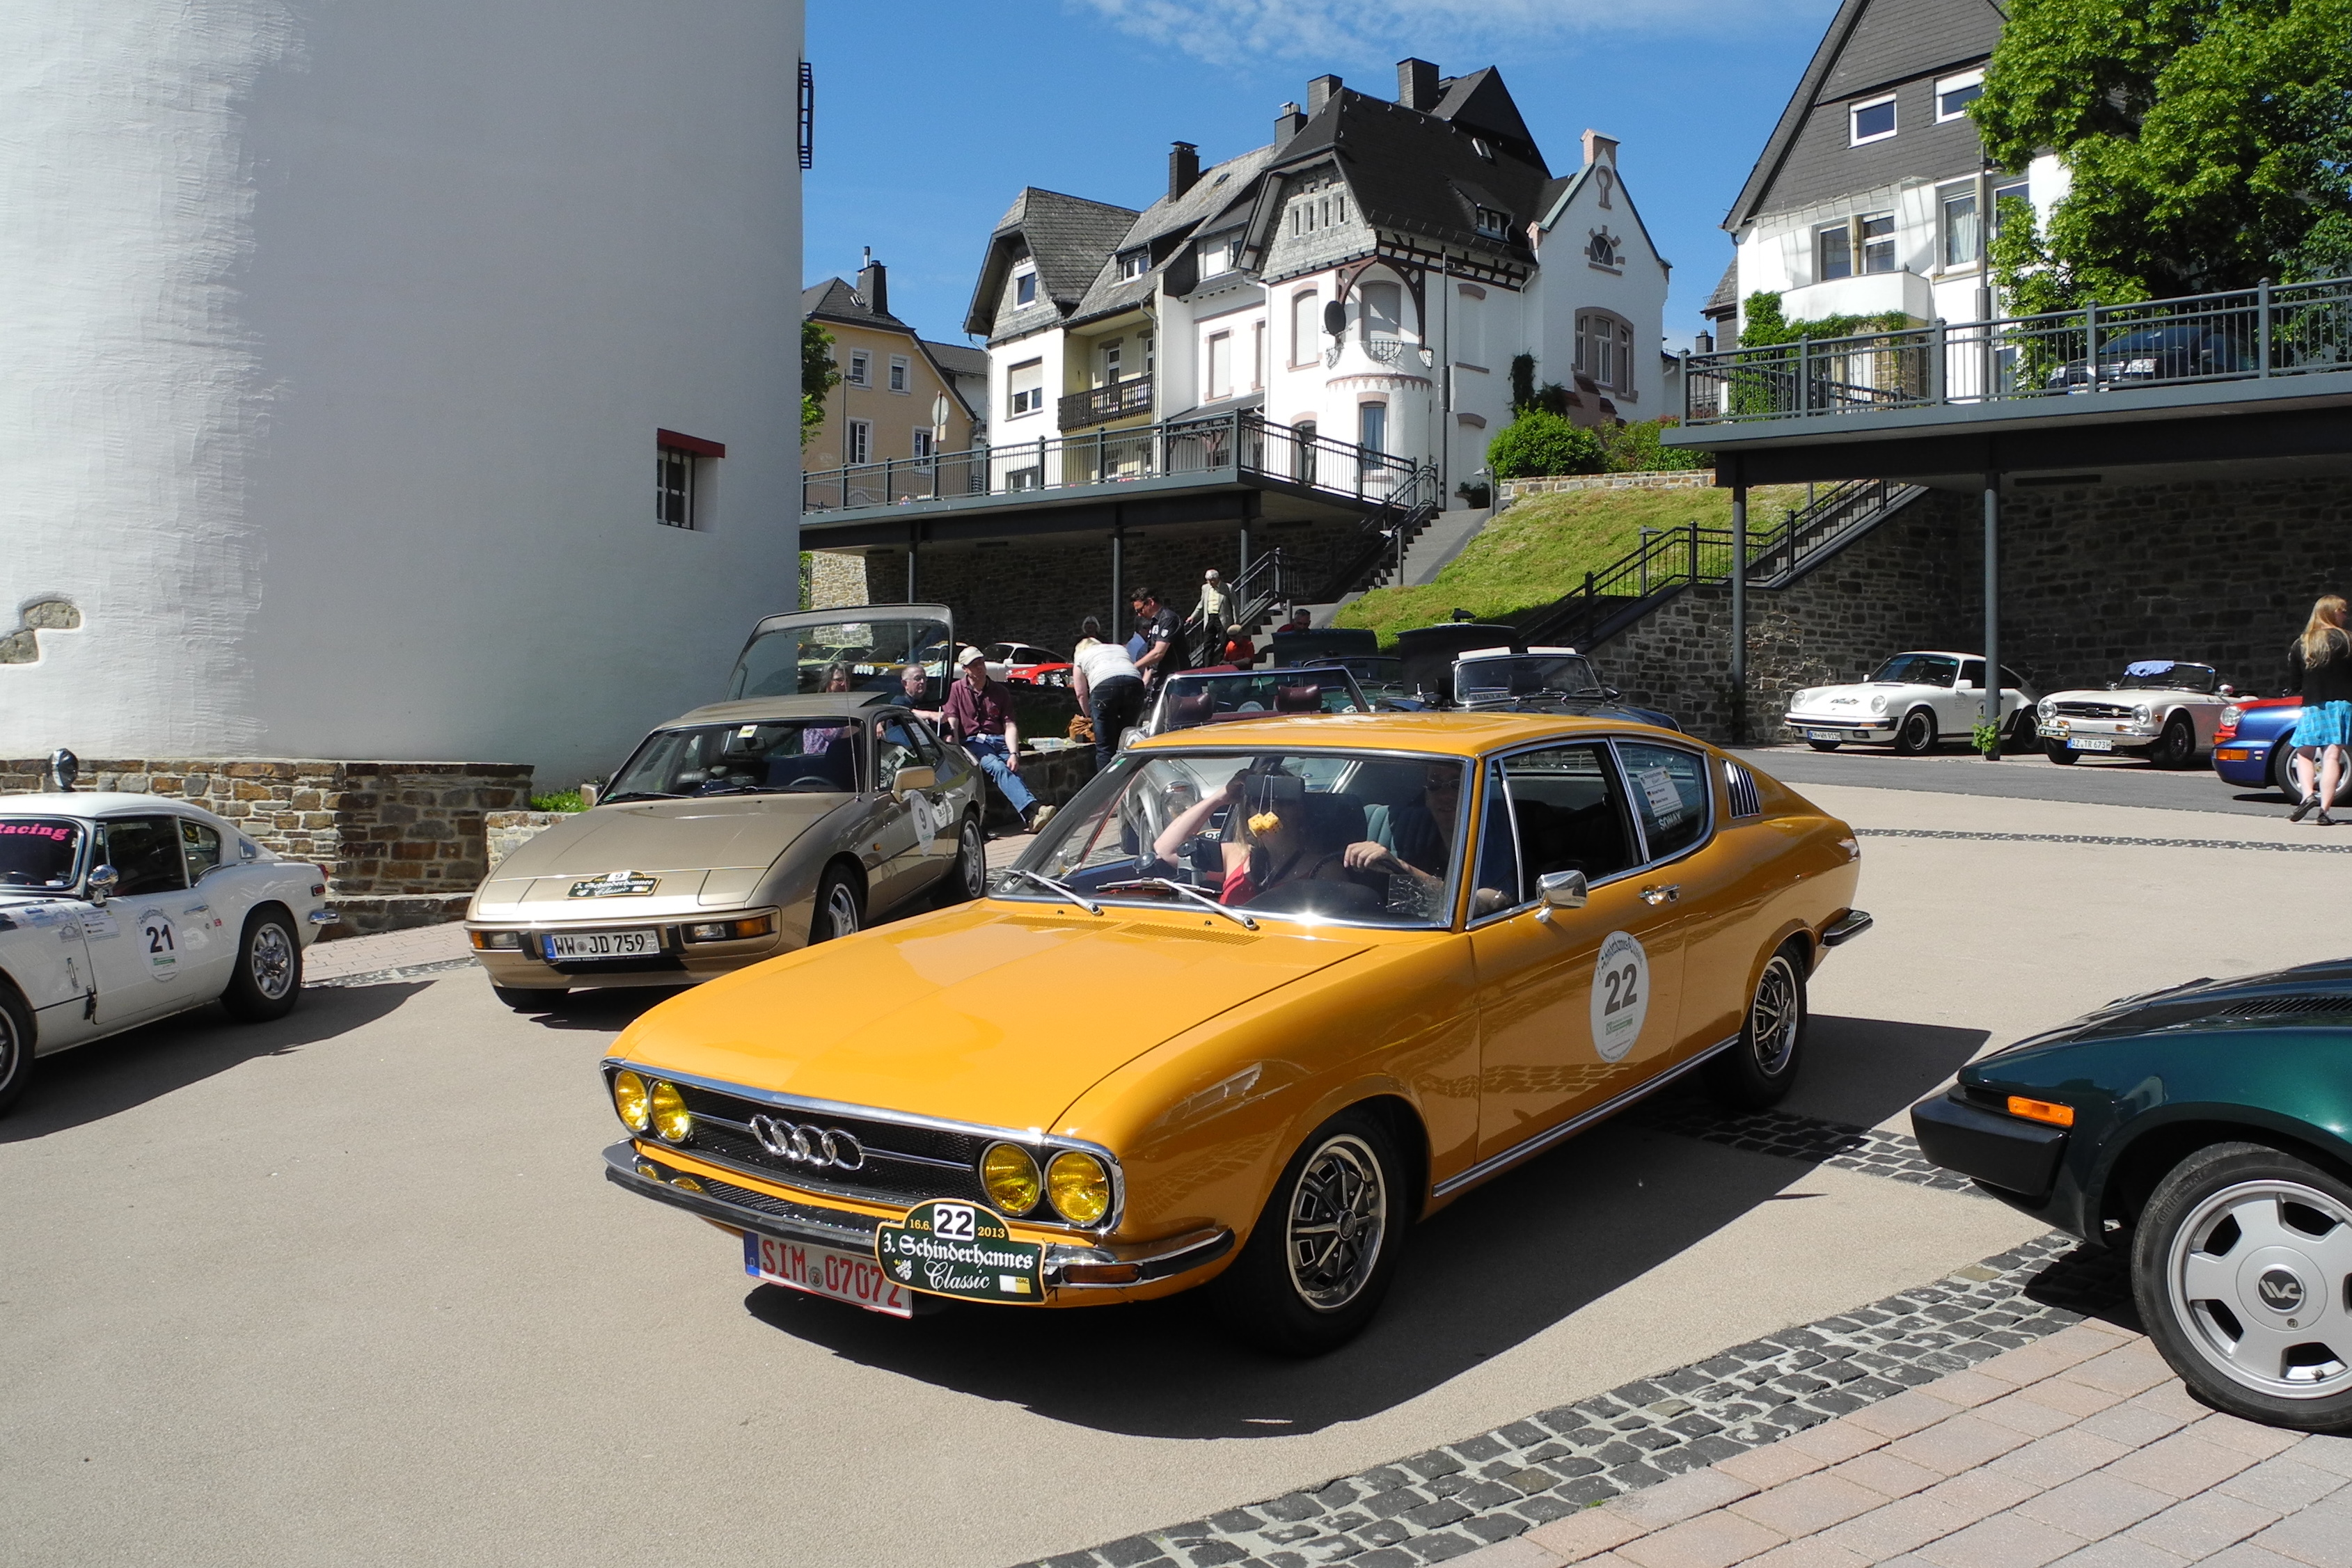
column 979, row 713
column 1216, row 610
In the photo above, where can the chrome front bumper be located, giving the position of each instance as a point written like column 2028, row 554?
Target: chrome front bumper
column 844, row 1231
column 1843, row 728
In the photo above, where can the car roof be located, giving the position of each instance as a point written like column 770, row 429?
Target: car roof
column 1452, row 733
column 89, row 803
column 816, row 705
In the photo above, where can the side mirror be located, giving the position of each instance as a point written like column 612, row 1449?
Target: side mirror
column 102, row 884
column 913, row 778
column 1561, row 890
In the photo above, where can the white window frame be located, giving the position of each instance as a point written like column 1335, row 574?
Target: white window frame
column 1305, row 348
column 1214, row 389
column 1022, row 402
column 1257, row 356
column 857, row 444
column 922, row 445
column 1134, row 264
column 1864, row 242
column 860, row 372
column 1854, row 111
column 902, row 374
column 1974, row 79
column 1024, row 277
column 1945, row 194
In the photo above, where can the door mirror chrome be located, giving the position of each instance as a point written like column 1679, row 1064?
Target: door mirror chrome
column 1561, row 890
column 102, row 884
column 910, row 779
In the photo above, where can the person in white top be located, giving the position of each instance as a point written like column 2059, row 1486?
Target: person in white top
column 1110, row 688
column 1215, row 610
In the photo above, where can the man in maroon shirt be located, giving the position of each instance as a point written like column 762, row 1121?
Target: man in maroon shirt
column 979, row 713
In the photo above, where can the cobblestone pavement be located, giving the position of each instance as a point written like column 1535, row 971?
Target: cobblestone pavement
column 1873, row 1152
column 386, row 956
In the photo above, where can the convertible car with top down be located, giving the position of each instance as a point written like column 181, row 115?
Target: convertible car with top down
column 1265, row 995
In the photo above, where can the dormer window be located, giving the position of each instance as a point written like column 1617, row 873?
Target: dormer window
column 1223, row 254
column 1024, row 286
column 1493, row 222
column 1954, row 94
column 1873, row 119
column 1134, row 264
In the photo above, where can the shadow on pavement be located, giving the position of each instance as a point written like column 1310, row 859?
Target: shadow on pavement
column 93, row 1081
column 1864, row 1070
column 608, row 1010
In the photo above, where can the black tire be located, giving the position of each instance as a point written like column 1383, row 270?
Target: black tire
column 16, row 1047
column 2223, row 1319
column 267, row 979
column 2057, row 751
column 1917, row 734
column 1760, row 1070
column 2177, row 746
column 2282, row 775
column 1351, row 1162
column 1825, row 745
column 2025, row 729
column 840, row 906
column 524, row 1001
column 967, row 879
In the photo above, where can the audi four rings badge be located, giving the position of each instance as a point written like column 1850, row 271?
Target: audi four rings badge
column 807, row 1145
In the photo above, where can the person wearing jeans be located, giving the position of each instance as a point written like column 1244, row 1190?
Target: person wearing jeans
column 1110, row 688
column 979, row 713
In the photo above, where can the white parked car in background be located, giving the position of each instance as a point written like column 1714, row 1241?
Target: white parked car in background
column 1913, row 700
column 2162, row 709
column 118, row 910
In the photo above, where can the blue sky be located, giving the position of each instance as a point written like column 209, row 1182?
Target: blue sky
column 931, row 115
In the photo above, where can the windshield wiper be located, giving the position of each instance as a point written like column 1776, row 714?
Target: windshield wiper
column 1065, row 889
column 1194, row 893
column 637, row 795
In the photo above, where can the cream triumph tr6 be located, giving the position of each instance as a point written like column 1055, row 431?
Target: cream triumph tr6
column 1266, row 994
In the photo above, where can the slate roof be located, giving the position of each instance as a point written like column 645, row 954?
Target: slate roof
column 1068, row 237
column 957, row 358
column 1167, row 226
column 1725, row 300
column 835, row 300
column 1871, row 46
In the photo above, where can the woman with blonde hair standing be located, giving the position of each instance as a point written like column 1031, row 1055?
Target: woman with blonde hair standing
column 2320, row 666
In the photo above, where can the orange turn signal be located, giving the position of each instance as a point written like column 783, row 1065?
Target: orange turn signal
column 2042, row 1110
column 1101, row 1273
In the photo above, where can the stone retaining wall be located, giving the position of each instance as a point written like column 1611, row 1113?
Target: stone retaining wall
column 1656, row 479
column 503, row 833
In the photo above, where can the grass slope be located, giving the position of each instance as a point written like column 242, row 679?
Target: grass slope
column 1541, row 548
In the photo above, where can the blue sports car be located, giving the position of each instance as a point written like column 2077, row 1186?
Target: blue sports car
column 2250, row 745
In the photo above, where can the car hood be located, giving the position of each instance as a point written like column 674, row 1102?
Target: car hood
column 983, row 1014
column 2135, row 696
column 728, row 833
column 2308, row 994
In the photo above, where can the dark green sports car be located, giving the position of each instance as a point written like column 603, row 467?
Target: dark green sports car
column 2206, row 1130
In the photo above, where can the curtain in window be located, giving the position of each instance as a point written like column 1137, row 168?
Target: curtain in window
column 1381, row 311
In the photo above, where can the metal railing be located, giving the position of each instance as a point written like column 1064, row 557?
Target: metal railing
column 1100, row 405
column 1270, row 581
column 2247, row 334
column 1227, row 445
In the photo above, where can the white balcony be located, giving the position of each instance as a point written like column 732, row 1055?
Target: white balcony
column 1872, row 294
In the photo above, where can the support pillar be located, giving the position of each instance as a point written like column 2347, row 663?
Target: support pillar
column 912, row 549
column 1739, row 613
column 1992, row 611
column 1117, row 591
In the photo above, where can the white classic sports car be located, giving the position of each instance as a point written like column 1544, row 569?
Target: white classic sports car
column 118, row 910
column 2162, row 709
column 1913, row 700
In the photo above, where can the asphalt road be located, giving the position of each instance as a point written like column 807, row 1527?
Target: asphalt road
column 2097, row 780
column 349, row 1288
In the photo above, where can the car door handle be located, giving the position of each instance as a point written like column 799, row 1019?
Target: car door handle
column 1667, row 892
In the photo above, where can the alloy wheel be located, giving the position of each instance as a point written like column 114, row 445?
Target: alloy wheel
column 2257, row 1277
column 271, row 960
column 1774, row 1017
column 971, row 862
column 841, row 909
column 1338, row 1223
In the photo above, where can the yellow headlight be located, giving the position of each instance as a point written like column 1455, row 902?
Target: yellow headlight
column 629, row 1100
column 1009, row 1177
column 1079, row 1186
column 672, row 1120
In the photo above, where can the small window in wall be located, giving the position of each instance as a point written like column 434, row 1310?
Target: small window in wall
column 1305, row 320
column 1113, row 353
column 1144, row 341
column 1963, row 225
column 1373, row 426
column 1954, row 94
column 1134, row 264
column 1025, row 287
column 1470, row 326
column 859, row 446
column 1381, row 310
column 1872, row 120
column 1024, row 387
column 861, row 368
column 2018, row 189
column 1219, row 383
column 681, row 462
column 1833, row 252
column 922, row 445
column 1878, row 243
column 1257, row 355
column 897, row 374
column 1605, row 349
column 1493, row 222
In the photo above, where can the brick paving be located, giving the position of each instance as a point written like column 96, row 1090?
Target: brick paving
column 386, row 956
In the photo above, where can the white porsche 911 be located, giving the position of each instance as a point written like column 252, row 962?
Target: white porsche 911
column 1913, row 700
column 116, row 910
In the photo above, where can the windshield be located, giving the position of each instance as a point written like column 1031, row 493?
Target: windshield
column 39, row 851
column 803, row 755
column 1204, row 699
column 843, row 655
column 1916, row 670
column 2158, row 675
column 1364, row 838
column 1524, row 675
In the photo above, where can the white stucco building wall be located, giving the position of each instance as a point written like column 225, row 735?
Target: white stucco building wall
column 338, row 335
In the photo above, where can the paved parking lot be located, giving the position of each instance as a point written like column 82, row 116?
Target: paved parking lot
column 350, row 1285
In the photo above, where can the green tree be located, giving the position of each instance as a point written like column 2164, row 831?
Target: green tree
column 1540, row 442
column 2210, row 143
column 819, row 376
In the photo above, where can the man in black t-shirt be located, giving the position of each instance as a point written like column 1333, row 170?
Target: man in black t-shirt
column 1163, row 637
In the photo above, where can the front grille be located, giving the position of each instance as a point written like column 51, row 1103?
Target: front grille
column 1741, row 786
column 902, row 1163
column 2093, row 710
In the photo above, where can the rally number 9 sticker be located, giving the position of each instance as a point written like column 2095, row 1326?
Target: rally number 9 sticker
column 1621, row 995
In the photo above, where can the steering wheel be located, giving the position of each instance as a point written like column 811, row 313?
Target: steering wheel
column 819, row 779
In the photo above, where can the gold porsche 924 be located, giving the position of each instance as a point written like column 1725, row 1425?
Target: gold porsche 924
column 1260, row 999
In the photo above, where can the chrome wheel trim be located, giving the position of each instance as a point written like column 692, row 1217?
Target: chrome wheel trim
column 13, row 1050
column 1926, row 725
column 2216, row 1262
column 972, row 861
column 1774, row 1017
column 841, row 910
column 270, row 960
column 1336, row 1224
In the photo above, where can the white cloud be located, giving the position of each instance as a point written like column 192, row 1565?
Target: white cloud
column 1364, row 32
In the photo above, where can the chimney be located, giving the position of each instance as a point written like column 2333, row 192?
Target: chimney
column 874, row 283
column 1600, row 148
column 1417, row 85
column 1287, row 122
column 1184, row 169
column 1320, row 91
